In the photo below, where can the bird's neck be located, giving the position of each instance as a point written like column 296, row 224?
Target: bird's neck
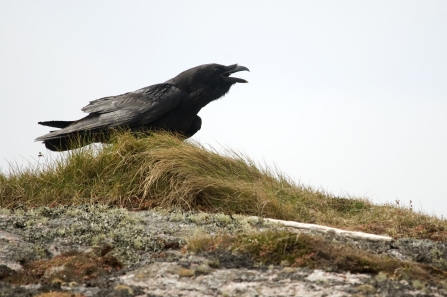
column 202, row 96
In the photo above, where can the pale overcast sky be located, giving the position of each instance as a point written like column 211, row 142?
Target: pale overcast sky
column 346, row 96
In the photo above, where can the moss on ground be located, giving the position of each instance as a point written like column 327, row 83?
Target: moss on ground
column 285, row 248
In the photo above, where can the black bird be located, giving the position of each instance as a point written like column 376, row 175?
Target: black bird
column 171, row 106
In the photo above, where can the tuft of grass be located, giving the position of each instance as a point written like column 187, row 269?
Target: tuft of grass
column 315, row 252
column 140, row 172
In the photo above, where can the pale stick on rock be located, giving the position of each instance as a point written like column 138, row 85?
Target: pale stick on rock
column 330, row 230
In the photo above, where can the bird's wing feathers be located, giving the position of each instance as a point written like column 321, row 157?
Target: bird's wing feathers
column 135, row 108
column 140, row 101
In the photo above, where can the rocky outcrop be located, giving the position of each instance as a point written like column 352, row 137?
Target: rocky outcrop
column 94, row 250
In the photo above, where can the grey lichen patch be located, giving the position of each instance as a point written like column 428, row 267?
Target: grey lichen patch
column 203, row 268
column 425, row 251
column 418, row 285
column 439, row 257
column 381, row 277
column 226, row 219
column 84, row 226
column 4, row 211
column 214, row 222
column 199, row 218
column 177, row 216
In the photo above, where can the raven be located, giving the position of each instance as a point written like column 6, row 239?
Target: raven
column 170, row 106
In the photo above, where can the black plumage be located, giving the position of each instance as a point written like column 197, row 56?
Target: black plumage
column 171, row 106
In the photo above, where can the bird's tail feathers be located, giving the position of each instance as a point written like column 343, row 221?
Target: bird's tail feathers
column 73, row 140
column 56, row 124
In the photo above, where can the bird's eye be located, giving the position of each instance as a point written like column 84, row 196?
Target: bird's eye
column 216, row 69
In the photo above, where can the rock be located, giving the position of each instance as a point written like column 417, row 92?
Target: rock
column 150, row 244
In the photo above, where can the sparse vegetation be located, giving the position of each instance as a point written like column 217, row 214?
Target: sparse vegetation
column 304, row 250
column 68, row 267
column 161, row 170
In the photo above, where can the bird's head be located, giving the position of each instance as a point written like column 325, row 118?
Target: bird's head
column 220, row 74
column 210, row 81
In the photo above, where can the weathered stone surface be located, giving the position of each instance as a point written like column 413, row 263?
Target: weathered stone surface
column 149, row 245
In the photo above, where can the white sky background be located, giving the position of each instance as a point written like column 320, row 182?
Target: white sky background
column 346, row 96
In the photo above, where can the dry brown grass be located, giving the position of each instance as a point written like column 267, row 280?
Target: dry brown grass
column 73, row 266
column 161, row 170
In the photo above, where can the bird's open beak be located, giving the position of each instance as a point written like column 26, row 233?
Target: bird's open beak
column 232, row 69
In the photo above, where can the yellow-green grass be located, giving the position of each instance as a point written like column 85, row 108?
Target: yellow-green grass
column 141, row 172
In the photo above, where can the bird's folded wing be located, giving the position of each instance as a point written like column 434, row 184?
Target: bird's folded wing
column 154, row 96
column 130, row 109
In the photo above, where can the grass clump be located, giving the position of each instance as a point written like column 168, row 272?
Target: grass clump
column 161, row 170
